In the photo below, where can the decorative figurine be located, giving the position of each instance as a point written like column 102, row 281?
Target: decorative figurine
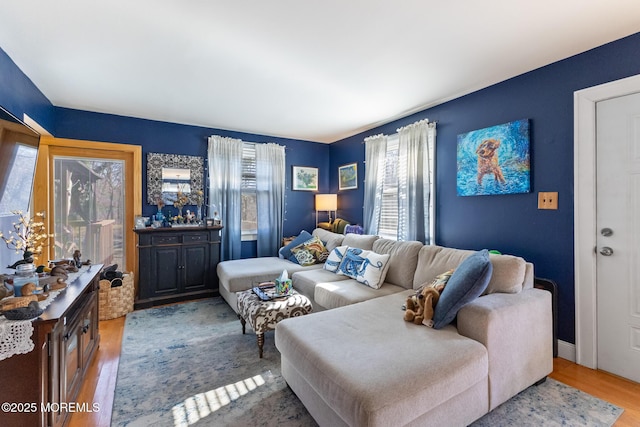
column 190, row 217
column 76, row 259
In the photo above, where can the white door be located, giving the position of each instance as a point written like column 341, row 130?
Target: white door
column 618, row 240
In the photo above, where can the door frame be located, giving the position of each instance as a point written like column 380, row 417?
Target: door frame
column 585, row 226
column 43, row 196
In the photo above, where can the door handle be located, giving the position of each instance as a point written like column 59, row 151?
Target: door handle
column 606, row 251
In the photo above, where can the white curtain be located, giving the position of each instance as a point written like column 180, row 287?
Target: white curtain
column 375, row 152
column 413, row 182
column 225, row 179
column 270, row 185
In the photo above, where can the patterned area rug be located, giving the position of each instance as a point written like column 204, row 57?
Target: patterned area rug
column 189, row 364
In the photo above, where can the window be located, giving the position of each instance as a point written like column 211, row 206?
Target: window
column 388, row 225
column 249, row 190
column 399, row 183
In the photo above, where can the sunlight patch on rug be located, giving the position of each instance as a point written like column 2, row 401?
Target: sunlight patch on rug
column 201, row 405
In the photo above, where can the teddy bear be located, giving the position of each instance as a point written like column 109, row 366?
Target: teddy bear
column 420, row 307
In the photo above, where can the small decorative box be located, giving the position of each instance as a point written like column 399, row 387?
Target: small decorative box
column 283, row 287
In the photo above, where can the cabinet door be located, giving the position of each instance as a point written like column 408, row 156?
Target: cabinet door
column 55, row 374
column 165, row 271
column 195, row 261
column 89, row 330
column 71, row 360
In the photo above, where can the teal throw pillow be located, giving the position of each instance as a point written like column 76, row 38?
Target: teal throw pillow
column 468, row 282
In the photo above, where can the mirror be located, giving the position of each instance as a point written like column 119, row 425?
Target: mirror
column 175, row 179
column 169, row 173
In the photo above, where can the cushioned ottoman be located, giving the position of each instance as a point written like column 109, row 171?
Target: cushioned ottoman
column 263, row 316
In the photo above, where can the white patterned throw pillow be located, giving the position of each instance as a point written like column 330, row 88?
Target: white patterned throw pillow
column 367, row 267
column 335, row 258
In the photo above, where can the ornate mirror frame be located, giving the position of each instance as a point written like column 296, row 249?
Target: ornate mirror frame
column 156, row 162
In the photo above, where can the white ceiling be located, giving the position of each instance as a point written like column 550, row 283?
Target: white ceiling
column 311, row 70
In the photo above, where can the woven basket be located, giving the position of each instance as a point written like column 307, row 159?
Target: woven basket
column 118, row 301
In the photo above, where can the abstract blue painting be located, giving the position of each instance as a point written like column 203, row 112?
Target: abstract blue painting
column 494, row 160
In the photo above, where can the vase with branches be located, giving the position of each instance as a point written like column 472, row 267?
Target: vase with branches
column 29, row 236
column 180, row 202
column 198, row 198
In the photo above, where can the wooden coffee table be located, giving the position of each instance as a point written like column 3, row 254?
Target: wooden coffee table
column 264, row 315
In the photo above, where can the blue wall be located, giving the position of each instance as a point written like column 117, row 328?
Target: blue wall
column 19, row 95
column 512, row 223
column 171, row 138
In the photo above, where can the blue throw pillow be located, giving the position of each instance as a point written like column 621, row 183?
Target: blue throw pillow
column 285, row 251
column 468, row 282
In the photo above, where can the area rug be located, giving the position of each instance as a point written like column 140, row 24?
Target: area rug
column 189, row 365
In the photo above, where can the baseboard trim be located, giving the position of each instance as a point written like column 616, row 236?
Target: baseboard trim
column 567, row 350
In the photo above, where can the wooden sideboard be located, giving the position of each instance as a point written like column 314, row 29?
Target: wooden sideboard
column 40, row 387
column 177, row 264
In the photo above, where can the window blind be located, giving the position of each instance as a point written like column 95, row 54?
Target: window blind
column 249, row 224
column 388, row 224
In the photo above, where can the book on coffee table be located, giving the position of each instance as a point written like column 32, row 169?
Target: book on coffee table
column 266, row 291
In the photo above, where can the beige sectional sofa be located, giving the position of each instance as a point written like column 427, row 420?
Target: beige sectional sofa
column 242, row 274
column 356, row 362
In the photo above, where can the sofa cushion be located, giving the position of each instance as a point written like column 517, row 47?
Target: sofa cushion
column 403, row 261
column 367, row 267
column 340, row 293
column 509, row 272
column 335, row 258
column 285, row 251
column 305, row 281
column 330, row 240
column 364, row 241
column 433, row 260
column 310, row 252
column 467, row 283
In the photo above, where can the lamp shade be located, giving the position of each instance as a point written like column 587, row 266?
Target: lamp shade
column 326, row 202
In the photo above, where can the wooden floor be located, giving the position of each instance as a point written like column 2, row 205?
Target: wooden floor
column 100, row 383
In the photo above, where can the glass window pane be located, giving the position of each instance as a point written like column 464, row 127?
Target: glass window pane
column 89, row 209
column 249, row 224
column 249, row 213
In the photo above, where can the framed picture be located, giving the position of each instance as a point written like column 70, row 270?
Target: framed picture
column 305, row 178
column 141, row 222
column 209, row 222
column 494, row 160
column 348, row 177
